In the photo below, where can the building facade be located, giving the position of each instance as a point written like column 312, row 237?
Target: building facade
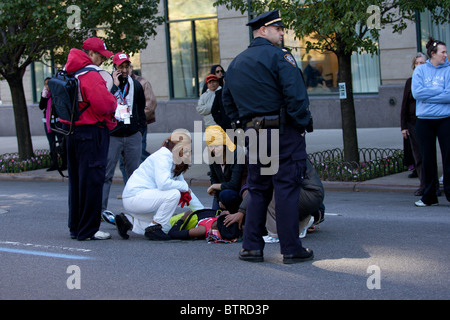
column 197, row 35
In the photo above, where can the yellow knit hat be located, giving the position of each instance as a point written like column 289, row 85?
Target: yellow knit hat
column 215, row 135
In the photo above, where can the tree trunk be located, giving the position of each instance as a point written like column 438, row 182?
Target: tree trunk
column 21, row 120
column 349, row 134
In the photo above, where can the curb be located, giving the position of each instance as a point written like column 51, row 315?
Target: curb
column 24, row 177
column 195, row 182
column 198, row 182
column 364, row 186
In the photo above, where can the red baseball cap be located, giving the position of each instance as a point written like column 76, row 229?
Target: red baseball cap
column 211, row 77
column 120, row 58
column 96, row 44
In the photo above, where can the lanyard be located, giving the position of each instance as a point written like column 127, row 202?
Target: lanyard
column 122, row 94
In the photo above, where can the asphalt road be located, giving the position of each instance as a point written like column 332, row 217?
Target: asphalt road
column 371, row 246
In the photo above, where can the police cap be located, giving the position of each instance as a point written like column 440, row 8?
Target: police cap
column 271, row 18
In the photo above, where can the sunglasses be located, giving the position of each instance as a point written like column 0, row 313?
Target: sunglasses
column 219, row 71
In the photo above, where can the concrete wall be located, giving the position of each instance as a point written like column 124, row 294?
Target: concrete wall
column 8, row 127
column 396, row 53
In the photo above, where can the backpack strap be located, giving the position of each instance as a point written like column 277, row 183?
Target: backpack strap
column 60, row 147
column 187, row 221
column 76, row 75
column 85, row 70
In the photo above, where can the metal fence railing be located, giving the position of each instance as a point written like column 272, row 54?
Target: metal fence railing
column 374, row 163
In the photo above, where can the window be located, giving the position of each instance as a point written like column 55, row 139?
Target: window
column 193, row 44
column 39, row 71
column 365, row 73
column 320, row 70
column 429, row 29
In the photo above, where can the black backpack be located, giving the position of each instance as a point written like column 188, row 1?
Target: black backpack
column 64, row 89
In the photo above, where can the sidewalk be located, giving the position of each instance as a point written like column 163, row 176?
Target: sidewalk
column 319, row 140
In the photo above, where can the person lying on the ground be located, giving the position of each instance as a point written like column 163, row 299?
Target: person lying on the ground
column 208, row 221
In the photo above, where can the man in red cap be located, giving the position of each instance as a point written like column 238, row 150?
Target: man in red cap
column 87, row 147
column 96, row 50
column 126, row 138
column 206, row 100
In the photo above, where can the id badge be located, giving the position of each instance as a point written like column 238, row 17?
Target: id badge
column 123, row 113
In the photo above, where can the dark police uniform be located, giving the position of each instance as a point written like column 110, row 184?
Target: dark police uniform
column 264, row 80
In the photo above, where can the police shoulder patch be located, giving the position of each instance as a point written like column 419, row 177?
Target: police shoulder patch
column 289, row 58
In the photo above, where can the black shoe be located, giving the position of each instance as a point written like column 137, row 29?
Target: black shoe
column 155, row 233
column 251, row 255
column 305, row 255
column 413, row 174
column 123, row 225
column 319, row 217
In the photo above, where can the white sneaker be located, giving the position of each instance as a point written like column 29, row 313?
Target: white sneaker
column 108, row 216
column 305, row 229
column 421, row 204
column 269, row 239
column 100, row 235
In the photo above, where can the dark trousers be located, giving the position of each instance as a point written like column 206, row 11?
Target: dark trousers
column 87, row 151
column 284, row 184
column 416, row 152
column 427, row 132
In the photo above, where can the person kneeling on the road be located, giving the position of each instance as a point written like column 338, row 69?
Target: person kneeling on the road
column 156, row 188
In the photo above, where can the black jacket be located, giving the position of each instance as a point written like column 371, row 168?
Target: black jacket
column 137, row 121
column 230, row 178
column 408, row 109
column 218, row 112
column 262, row 80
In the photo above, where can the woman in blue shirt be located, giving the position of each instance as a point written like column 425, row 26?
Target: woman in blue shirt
column 431, row 89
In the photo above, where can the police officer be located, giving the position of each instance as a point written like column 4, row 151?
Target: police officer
column 275, row 100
